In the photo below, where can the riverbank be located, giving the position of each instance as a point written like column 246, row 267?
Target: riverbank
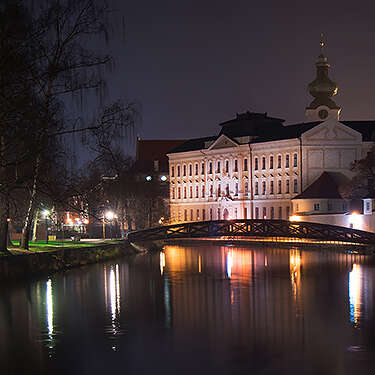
column 29, row 264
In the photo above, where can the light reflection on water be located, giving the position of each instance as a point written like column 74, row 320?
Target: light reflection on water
column 207, row 309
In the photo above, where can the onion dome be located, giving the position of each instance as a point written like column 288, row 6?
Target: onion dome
column 322, row 88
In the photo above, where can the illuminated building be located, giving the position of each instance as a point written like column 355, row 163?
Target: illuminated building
column 256, row 165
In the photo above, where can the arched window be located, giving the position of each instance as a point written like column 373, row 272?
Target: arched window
column 256, row 166
column 178, row 171
column 256, row 188
column 218, row 167
column 264, row 187
column 190, row 170
column 263, row 162
column 245, row 164
column 287, row 161
column 184, row 170
column 271, row 187
column 203, row 191
column 191, row 192
column 172, row 171
column 196, row 192
column 196, row 169
column 271, row 162
column 279, row 187
column 236, row 165
column 226, row 166
column 279, row 161
column 295, row 160
column 210, row 168
column 179, row 193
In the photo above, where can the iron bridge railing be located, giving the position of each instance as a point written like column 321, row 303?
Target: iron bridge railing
column 254, row 228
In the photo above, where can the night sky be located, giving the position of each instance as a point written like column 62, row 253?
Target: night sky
column 194, row 64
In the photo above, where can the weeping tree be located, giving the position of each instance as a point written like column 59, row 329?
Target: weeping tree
column 63, row 65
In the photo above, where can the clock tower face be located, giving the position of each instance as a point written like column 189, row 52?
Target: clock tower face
column 323, row 114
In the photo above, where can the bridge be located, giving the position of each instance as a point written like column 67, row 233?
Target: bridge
column 256, row 230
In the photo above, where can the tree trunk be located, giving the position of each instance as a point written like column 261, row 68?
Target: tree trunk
column 4, row 211
column 31, row 210
column 35, row 224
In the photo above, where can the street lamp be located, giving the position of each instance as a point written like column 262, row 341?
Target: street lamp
column 45, row 214
column 109, row 215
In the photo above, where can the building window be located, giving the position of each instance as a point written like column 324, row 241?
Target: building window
column 236, row 188
column 191, row 192
column 279, row 187
column 256, row 212
column 264, row 213
column 185, row 215
column 184, row 170
column 245, row 213
column 367, row 206
column 198, row 214
column 226, row 166
column 185, row 192
column 218, row 167
column 218, row 213
column 211, row 191
column 203, row 191
column 178, row 171
column 211, row 214
column 246, row 187
column 227, row 190
column 279, row 161
column 280, row 212
column 264, row 187
column 245, row 164
column 271, row 187
column 295, row 186
column 219, row 190
column 256, row 164
column 196, row 169
column 173, row 193
column 271, row 162
column 210, row 168
column 295, row 160
column 272, row 213
column 172, row 171
column 203, row 214
column 196, row 192
column 287, row 161
column 191, row 215
column 263, row 162
column 287, row 187
column 179, row 193
column 203, row 168
column 190, row 170
column 236, row 165
column 256, row 188
column 316, row 206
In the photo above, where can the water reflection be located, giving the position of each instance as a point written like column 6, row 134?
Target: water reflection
column 162, row 262
column 229, row 264
column 49, row 303
column 295, row 271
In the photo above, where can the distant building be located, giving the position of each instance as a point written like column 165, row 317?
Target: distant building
column 256, row 167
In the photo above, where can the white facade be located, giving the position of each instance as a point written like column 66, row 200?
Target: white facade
column 242, row 178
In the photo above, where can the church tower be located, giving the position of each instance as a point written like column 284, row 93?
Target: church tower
column 322, row 89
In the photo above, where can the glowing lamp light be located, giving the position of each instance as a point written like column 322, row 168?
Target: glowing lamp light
column 295, row 218
column 355, row 219
column 163, row 178
column 161, row 220
column 109, row 215
column 45, row 213
column 86, row 221
column 148, row 178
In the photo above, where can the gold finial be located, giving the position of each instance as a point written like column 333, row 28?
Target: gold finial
column 321, row 42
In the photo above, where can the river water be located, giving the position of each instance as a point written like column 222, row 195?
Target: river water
column 196, row 309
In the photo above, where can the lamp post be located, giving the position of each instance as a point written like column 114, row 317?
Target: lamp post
column 45, row 215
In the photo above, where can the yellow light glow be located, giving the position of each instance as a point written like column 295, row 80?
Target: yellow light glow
column 355, row 220
column 162, row 262
column 199, row 263
column 295, row 218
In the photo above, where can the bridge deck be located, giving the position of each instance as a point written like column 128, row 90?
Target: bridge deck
column 256, row 228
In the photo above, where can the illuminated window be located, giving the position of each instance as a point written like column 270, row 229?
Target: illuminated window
column 279, row 161
column 271, row 187
column 172, row 171
column 279, row 187
column 256, row 164
column 245, row 164
column 295, row 160
column 316, row 206
column 287, row 187
column 236, row 165
column 256, row 212
column 263, row 162
column 256, row 188
column 271, row 162
column 287, row 161
column 264, row 187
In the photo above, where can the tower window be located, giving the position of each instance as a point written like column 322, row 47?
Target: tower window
column 203, row 191
column 191, row 192
column 246, row 187
column 196, row 192
column 236, row 188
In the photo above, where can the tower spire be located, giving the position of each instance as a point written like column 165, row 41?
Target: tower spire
column 322, row 89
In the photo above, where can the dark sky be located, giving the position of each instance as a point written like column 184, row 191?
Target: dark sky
column 194, row 64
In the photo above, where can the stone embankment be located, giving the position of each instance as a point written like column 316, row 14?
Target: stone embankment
column 33, row 264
